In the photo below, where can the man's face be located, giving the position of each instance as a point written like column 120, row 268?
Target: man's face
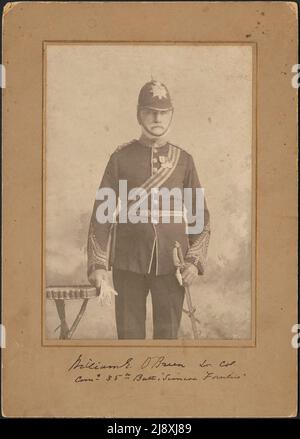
column 156, row 122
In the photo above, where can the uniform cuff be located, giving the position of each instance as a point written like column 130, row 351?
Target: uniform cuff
column 198, row 264
column 95, row 267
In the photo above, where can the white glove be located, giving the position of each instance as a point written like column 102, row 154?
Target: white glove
column 99, row 278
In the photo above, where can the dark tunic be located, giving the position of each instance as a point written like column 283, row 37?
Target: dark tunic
column 131, row 247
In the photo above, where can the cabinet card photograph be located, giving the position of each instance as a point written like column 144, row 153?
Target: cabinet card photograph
column 149, row 182
column 150, row 212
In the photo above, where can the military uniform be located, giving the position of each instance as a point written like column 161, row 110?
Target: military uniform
column 141, row 254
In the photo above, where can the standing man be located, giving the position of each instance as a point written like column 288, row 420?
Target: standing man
column 141, row 253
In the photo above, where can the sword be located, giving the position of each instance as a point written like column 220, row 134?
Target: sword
column 179, row 264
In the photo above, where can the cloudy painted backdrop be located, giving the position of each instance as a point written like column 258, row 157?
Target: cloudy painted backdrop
column 91, row 108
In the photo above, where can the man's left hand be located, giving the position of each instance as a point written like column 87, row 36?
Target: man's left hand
column 189, row 274
column 106, row 293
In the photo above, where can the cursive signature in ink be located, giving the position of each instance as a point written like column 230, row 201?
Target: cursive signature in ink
column 156, row 362
column 79, row 363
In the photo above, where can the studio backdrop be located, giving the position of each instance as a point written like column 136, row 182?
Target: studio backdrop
column 90, row 105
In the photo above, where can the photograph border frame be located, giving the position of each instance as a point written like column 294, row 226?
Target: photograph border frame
column 251, row 342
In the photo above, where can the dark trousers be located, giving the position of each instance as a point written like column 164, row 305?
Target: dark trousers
column 130, row 304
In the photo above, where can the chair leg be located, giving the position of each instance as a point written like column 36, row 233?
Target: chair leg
column 64, row 329
column 78, row 318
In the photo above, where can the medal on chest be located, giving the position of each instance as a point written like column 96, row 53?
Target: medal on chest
column 164, row 162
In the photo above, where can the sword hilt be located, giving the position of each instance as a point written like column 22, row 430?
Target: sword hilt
column 179, row 253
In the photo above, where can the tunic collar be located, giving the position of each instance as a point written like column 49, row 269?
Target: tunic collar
column 152, row 143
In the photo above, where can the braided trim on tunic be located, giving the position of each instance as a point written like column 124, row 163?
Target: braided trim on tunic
column 197, row 253
column 96, row 255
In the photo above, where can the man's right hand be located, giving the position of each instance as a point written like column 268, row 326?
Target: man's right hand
column 97, row 276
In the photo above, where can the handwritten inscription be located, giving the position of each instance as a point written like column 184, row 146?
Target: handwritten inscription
column 156, row 362
column 79, row 363
column 152, row 369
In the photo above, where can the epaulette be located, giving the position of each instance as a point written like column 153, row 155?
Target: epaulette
column 124, row 144
column 176, row 146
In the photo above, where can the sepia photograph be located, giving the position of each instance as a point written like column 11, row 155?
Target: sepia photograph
column 148, row 191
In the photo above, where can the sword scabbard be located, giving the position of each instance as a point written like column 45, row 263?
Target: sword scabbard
column 177, row 255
